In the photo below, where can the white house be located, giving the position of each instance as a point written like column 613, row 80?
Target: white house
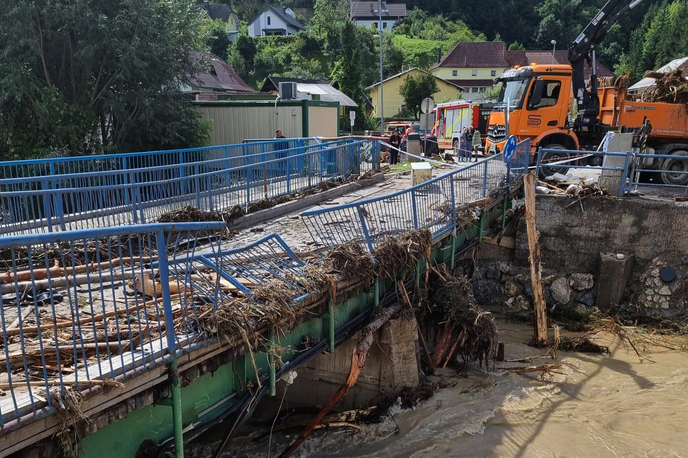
column 222, row 12
column 274, row 20
column 367, row 14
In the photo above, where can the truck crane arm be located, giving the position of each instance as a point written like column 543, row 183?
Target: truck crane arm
column 582, row 50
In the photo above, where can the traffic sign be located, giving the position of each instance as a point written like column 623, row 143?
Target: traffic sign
column 510, row 148
column 427, row 105
column 352, row 115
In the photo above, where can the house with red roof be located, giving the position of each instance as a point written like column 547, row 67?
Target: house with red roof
column 475, row 65
column 215, row 79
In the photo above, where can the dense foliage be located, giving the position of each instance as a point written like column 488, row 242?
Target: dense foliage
column 415, row 88
column 82, row 76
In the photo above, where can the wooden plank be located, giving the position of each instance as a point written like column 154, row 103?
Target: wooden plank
column 535, row 265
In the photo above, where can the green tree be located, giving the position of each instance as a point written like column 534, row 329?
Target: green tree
column 329, row 16
column 392, row 56
column 347, row 71
column 516, row 46
column 216, row 37
column 88, row 76
column 242, row 55
column 416, row 88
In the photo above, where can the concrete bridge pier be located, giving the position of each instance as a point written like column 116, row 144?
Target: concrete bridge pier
column 392, row 365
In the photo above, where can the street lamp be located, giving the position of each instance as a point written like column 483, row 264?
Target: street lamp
column 554, row 49
column 382, row 106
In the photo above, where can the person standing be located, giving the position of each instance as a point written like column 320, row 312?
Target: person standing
column 476, row 143
column 395, row 142
column 463, row 145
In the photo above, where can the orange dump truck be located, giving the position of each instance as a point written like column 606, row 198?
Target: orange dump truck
column 536, row 102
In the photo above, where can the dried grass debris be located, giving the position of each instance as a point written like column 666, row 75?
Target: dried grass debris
column 189, row 214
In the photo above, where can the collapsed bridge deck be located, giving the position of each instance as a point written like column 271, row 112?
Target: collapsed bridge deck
column 90, row 309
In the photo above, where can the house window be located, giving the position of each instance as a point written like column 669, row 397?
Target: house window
column 493, row 72
column 375, row 24
column 268, row 20
column 455, row 73
column 482, row 89
column 474, row 90
column 384, row 25
column 474, row 72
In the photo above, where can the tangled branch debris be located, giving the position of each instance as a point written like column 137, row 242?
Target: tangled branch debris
column 189, row 214
column 395, row 254
column 670, row 87
column 350, row 260
column 471, row 330
column 67, row 404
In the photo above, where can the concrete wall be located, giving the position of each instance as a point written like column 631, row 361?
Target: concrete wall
column 571, row 239
column 393, row 100
column 392, row 364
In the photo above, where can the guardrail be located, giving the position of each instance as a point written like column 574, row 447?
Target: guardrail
column 431, row 205
column 127, row 161
column 85, row 308
column 141, row 195
column 633, row 169
column 671, row 172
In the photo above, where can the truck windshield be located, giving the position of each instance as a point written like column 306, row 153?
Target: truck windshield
column 512, row 91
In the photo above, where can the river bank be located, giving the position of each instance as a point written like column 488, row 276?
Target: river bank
column 616, row 405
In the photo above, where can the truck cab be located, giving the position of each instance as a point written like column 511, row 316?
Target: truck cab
column 534, row 102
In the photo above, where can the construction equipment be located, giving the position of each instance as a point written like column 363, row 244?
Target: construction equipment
column 539, row 102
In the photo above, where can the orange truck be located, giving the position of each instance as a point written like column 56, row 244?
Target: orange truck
column 538, row 102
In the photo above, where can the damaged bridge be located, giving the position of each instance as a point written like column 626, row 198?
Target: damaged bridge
column 142, row 304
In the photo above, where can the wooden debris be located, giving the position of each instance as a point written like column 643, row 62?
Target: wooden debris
column 535, row 266
column 670, row 87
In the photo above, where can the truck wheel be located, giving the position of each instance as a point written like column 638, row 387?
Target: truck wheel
column 675, row 165
column 546, row 171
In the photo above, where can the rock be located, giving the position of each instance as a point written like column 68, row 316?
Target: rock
column 665, row 291
column 528, row 291
column 561, row 293
column 658, row 282
column 511, row 289
column 620, row 257
column 510, row 302
column 580, row 309
column 655, row 272
column 521, row 303
column 522, row 279
column 492, row 274
column 587, row 298
column 503, row 267
column 581, row 282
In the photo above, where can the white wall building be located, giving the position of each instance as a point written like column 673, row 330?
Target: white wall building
column 274, row 20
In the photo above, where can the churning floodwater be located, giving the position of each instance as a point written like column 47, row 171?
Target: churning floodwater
column 616, row 405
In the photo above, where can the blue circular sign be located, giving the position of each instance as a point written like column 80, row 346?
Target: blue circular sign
column 510, row 148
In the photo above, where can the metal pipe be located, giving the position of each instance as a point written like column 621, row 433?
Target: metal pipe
column 330, row 313
column 177, row 411
column 273, row 378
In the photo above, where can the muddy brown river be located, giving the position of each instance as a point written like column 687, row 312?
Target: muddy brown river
column 616, row 405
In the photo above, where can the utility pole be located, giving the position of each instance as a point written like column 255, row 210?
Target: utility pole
column 382, row 105
column 554, row 49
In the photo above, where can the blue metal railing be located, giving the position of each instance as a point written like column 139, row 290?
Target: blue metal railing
column 141, row 195
column 431, row 205
column 126, row 161
column 89, row 306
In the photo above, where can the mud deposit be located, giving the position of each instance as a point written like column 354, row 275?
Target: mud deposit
column 616, row 405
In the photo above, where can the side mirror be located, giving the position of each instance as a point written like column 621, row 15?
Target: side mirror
column 538, row 90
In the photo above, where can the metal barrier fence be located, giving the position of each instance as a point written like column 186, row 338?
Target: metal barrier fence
column 128, row 161
column 141, row 195
column 431, row 205
column 632, row 169
column 668, row 171
column 87, row 307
